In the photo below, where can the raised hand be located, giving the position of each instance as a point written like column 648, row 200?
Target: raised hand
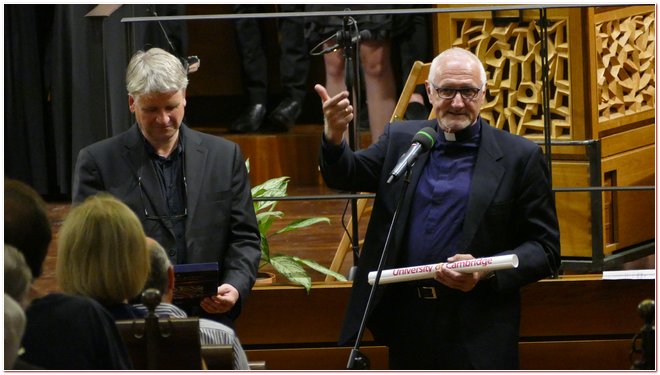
column 337, row 113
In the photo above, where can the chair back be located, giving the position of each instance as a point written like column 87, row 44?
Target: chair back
column 418, row 75
column 161, row 343
column 218, row 357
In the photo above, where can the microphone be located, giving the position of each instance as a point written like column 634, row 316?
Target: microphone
column 341, row 39
column 421, row 143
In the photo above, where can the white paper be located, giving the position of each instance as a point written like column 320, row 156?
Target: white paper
column 629, row 274
column 427, row 271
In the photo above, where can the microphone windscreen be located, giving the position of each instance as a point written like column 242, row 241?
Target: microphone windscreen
column 365, row 35
column 426, row 138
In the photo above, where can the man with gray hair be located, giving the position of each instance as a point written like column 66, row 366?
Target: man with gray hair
column 190, row 190
column 476, row 192
column 162, row 278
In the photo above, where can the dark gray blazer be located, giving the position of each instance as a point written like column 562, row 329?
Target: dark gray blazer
column 510, row 211
column 221, row 225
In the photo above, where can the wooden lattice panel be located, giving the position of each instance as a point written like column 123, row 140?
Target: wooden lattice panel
column 625, row 51
column 511, row 56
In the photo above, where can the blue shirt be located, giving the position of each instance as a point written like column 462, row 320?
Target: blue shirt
column 441, row 197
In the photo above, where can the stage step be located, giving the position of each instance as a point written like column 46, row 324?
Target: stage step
column 293, row 153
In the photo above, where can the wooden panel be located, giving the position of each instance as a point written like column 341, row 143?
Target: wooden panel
column 286, row 314
column 583, row 305
column 627, row 140
column 575, row 355
column 573, row 208
column 561, row 318
column 634, row 215
column 317, row 358
column 293, row 154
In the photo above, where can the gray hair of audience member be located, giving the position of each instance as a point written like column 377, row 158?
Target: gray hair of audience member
column 454, row 52
column 160, row 264
column 14, row 330
column 155, row 71
column 27, row 227
column 18, row 276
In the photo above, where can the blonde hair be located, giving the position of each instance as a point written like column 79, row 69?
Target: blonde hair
column 102, row 251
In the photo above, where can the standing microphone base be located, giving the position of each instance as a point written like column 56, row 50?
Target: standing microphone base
column 358, row 361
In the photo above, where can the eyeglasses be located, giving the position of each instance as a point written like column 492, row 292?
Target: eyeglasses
column 447, row 93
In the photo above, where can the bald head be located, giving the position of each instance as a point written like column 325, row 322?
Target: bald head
column 457, row 56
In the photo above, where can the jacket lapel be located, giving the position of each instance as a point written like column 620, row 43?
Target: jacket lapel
column 144, row 171
column 195, row 160
column 486, row 178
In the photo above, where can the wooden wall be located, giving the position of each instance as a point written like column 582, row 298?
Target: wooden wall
column 571, row 323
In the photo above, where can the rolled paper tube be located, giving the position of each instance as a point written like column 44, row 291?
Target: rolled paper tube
column 427, row 271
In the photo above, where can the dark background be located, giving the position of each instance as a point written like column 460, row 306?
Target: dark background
column 65, row 89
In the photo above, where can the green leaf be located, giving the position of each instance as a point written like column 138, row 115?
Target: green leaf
column 303, row 223
column 292, row 270
column 275, row 187
column 315, row 266
column 265, row 251
column 265, row 219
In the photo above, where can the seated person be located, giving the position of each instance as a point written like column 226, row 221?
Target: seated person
column 102, row 254
column 52, row 338
column 14, row 328
column 18, row 276
column 17, row 284
column 211, row 332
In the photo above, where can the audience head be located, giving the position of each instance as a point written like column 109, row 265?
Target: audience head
column 18, row 276
column 160, row 277
column 102, row 251
column 155, row 71
column 14, row 329
column 456, row 87
column 27, row 227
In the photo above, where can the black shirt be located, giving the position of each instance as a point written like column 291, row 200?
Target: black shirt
column 171, row 177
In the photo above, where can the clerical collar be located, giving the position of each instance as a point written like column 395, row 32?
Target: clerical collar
column 461, row 135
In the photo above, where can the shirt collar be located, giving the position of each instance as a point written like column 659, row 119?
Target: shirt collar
column 178, row 150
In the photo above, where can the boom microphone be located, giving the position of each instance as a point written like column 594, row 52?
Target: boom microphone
column 421, row 143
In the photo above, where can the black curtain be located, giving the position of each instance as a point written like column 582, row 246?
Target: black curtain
column 64, row 83
column 26, row 134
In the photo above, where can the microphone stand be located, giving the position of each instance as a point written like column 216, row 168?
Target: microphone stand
column 357, row 360
column 350, row 44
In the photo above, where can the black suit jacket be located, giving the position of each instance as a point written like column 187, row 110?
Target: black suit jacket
column 510, row 211
column 221, row 225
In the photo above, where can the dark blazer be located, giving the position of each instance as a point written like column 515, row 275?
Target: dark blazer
column 221, row 225
column 510, row 211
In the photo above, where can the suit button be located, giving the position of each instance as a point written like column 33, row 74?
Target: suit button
column 172, row 252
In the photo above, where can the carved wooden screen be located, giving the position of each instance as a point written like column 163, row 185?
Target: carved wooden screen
column 625, row 64
column 601, row 67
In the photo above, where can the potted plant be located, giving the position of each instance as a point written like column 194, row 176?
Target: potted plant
column 291, row 267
